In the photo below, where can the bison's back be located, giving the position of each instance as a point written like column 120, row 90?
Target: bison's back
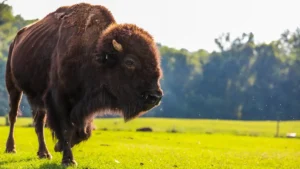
column 37, row 46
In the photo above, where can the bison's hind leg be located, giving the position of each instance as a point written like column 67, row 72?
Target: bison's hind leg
column 15, row 96
column 14, row 101
column 39, row 120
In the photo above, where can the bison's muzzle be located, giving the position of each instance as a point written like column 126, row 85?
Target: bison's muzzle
column 151, row 99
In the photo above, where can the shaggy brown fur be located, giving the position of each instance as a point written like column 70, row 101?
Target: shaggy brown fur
column 78, row 62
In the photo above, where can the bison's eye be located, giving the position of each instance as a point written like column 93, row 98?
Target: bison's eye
column 102, row 58
column 106, row 59
column 129, row 63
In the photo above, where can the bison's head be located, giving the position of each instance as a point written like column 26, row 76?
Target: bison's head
column 129, row 62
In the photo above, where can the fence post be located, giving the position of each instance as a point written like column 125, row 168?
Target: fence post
column 278, row 124
column 6, row 120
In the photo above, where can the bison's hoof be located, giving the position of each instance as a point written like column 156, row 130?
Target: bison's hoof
column 69, row 162
column 43, row 155
column 10, row 150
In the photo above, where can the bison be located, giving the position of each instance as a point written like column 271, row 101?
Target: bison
column 78, row 62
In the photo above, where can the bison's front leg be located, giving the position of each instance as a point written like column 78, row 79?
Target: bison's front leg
column 58, row 116
column 77, row 137
column 68, row 158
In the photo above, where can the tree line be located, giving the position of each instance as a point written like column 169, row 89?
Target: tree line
column 243, row 80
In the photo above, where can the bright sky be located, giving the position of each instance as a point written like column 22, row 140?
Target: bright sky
column 189, row 24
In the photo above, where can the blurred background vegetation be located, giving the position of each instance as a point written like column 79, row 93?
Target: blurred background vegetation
column 242, row 80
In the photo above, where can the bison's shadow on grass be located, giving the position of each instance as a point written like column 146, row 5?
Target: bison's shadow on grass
column 57, row 166
column 48, row 165
column 51, row 166
column 2, row 162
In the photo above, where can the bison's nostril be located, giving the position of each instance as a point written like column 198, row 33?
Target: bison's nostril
column 154, row 97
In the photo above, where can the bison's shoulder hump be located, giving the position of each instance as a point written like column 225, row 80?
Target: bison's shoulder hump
column 80, row 16
column 83, row 15
column 82, row 20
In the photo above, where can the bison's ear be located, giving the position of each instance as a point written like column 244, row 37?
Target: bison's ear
column 117, row 46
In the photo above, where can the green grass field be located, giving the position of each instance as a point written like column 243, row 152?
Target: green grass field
column 196, row 144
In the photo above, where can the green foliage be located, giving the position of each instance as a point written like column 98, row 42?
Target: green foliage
column 9, row 25
column 244, row 80
column 130, row 149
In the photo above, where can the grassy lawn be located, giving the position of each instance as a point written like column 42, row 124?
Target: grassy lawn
column 198, row 144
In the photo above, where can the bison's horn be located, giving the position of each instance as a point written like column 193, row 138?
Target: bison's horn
column 117, row 46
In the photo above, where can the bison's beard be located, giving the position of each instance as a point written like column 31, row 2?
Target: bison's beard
column 127, row 111
column 123, row 103
column 105, row 102
column 131, row 112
